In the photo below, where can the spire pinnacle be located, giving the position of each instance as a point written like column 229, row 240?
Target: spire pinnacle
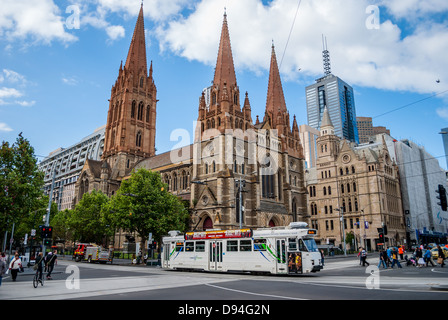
column 275, row 100
column 225, row 69
column 136, row 59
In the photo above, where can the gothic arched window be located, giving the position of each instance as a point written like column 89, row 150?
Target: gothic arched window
column 138, row 139
column 133, row 109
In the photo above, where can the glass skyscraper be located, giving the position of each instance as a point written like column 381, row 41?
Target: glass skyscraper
column 338, row 97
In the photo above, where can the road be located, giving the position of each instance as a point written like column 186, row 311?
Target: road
column 341, row 279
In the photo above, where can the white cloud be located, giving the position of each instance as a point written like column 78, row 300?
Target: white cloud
column 442, row 113
column 4, row 127
column 26, row 103
column 9, row 93
column 414, row 8
column 38, row 20
column 16, row 85
column 384, row 58
column 115, row 32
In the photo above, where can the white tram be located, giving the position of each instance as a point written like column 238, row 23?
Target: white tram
column 284, row 250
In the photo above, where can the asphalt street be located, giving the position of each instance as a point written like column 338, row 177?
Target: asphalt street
column 341, row 279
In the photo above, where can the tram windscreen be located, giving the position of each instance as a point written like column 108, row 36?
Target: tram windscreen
column 311, row 244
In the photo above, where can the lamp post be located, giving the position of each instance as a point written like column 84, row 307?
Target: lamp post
column 341, row 210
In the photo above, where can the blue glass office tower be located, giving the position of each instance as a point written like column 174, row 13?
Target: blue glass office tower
column 338, row 96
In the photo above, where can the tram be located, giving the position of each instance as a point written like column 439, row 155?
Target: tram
column 278, row 250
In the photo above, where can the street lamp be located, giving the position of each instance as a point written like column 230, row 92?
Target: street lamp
column 341, row 210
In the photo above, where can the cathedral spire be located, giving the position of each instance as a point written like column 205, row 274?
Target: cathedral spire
column 137, row 51
column 225, row 70
column 275, row 100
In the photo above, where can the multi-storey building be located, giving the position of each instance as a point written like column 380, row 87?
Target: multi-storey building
column 65, row 165
column 354, row 189
column 333, row 93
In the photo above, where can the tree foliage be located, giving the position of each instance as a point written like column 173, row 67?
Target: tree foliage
column 143, row 205
column 88, row 221
column 20, row 182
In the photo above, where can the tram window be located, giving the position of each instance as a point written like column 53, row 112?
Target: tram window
column 245, row 245
column 179, row 246
column 302, row 246
column 200, row 246
column 292, row 246
column 259, row 244
column 232, row 245
column 189, row 246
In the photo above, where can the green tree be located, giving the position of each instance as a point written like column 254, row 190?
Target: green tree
column 20, row 182
column 87, row 221
column 143, row 205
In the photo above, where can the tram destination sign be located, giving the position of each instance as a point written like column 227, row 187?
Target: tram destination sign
column 219, row 234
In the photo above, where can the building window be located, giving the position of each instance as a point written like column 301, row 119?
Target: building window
column 147, row 113
column 133, row 109
column 138, row 139
column 140, row 111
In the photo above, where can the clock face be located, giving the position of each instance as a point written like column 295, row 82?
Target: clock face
column 346, row 158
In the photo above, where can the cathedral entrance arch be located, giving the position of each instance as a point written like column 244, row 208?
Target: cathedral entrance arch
column 208, row 223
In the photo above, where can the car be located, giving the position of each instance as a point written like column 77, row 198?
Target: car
column 435, row 252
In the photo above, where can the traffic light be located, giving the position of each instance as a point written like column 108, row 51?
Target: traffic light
column 46, row 232
column 442, row 197
column 47, row 242
column 381, row 235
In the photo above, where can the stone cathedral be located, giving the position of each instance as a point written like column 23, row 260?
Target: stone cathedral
column 235, row 168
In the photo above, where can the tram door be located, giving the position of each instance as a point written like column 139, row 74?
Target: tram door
column 166, row 255
column 282, row 266
column 215, row 255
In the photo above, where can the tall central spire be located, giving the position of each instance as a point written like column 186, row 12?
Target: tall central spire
column 225, row 70
column 275, row 100
column 136, row 59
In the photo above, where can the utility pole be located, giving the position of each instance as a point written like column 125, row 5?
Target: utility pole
column 47, row 217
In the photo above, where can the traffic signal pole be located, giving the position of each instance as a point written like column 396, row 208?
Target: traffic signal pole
column 47, row 217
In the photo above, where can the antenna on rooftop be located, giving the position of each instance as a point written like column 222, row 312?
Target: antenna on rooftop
column 326, row 56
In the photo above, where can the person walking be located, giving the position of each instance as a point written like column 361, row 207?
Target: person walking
column 364, row 257
column 322, row 256
column 51, row 261
column 395, row 259
column 441, row 259
column 401, row 252
column 388, row 256
column 428, row 258
column 382, row 259
column 15, row 266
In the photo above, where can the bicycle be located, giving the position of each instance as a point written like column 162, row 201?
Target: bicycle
column 38, row 279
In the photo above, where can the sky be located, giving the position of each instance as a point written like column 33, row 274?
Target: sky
column 59, row 60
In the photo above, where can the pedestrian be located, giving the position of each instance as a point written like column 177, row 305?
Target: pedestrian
column 15, row 266
column 359, row 255
column 382, row 259
column 441, row 259
column 3, row 269
column 322, row 256
column 427, row 257
column 401, row 252
column 50, row 262
column 394, row 254
column 388, row 256
column 364, row 258
column 39, row 265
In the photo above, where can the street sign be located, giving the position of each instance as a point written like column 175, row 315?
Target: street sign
column 33, row 232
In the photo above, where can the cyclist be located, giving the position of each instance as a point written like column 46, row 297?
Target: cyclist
column 39, row 265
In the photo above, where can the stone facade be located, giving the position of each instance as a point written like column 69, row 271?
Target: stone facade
column 362, row 183
column 229, row 148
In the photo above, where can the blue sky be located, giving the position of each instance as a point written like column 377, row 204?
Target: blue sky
column 55, row 78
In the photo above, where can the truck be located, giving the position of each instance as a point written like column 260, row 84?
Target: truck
column 98, row 254
column 79, row 253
